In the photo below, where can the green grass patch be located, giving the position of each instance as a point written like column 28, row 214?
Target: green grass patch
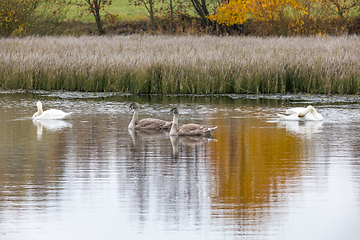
column 122, row 8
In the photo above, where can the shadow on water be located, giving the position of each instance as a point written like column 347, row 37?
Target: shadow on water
column 256, row 178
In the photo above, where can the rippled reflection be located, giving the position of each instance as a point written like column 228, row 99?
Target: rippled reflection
column 188, row 141
column 50, row 125
column 303, row 129
column 256, row 178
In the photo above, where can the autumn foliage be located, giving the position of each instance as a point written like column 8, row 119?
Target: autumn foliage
column 14, row 16
column 221, row 17
column 282, row 16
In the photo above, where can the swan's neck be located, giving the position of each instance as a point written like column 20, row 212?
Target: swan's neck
column 39, row 111
column 174, row 125
column 306, row 111
column 134, row 119
column 316, row 114
column 312, row 110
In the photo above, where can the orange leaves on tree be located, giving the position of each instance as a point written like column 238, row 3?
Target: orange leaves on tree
column 238, row 11
column 234, row 12
column 14, row 17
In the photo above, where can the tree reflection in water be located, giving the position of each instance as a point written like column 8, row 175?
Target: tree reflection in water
column 248, row 180
column 253, row 163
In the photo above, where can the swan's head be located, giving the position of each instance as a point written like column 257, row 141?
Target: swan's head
column 39, row 105
column 174, row 110
column 133, row 106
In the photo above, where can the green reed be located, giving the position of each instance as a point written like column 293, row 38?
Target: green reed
column 185, row 64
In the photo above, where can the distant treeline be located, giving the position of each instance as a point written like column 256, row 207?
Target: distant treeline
column 182, row 64
column 216, row 17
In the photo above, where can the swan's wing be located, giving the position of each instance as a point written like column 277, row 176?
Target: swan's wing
column 167, row 125
column 210, row 130
column 311, row 117
column 53, row 114
column 296, row 110
column 194, row 129
column 190, row 129
column 152, row 123
column 291, row 117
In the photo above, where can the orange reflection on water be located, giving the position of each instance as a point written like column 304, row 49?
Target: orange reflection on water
column 253, row 163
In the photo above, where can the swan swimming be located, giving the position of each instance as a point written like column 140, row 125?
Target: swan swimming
column 147, row 123
column 52, row 114
column 188, row 129
column 301, row 114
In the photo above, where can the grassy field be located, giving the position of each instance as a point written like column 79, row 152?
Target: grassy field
column 183, row 64
column 122, row 8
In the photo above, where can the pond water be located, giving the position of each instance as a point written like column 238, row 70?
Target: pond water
column 89, row 177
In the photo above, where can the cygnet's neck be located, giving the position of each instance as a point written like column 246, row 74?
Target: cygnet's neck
column 134, row 119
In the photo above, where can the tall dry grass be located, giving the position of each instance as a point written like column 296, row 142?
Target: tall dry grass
column 185, row 64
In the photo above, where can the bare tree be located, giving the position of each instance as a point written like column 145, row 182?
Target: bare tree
column 150, row 8
column 343, row 8
column 94, row 7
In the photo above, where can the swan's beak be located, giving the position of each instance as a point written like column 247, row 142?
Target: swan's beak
column 129, row 110
column 169, row 113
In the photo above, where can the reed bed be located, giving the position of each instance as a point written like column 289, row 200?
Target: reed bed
column 182, row 64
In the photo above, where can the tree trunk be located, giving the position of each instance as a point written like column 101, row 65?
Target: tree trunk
column 94, row 6
column 201, row 10
column 96, row 13
column 151, row 12
column 171, row 17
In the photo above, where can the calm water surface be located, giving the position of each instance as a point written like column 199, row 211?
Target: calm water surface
column 91, row 178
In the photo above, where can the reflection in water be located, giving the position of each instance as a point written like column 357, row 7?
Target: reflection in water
column 161, row 180
column 302, row 128
column 141, row 135
column 252, row 164
column 189, row 141
column 91, row 177
column 50, row 125
column 175, row 147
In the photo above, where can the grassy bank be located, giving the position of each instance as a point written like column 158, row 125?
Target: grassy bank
column 187, row 64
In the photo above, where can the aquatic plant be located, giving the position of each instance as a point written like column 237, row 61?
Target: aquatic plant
column 182, row 64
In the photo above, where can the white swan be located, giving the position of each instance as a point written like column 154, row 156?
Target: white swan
column 52, row 114
column 188, row 129
column 301, row 114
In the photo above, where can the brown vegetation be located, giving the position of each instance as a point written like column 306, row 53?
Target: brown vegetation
column 182, row 64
